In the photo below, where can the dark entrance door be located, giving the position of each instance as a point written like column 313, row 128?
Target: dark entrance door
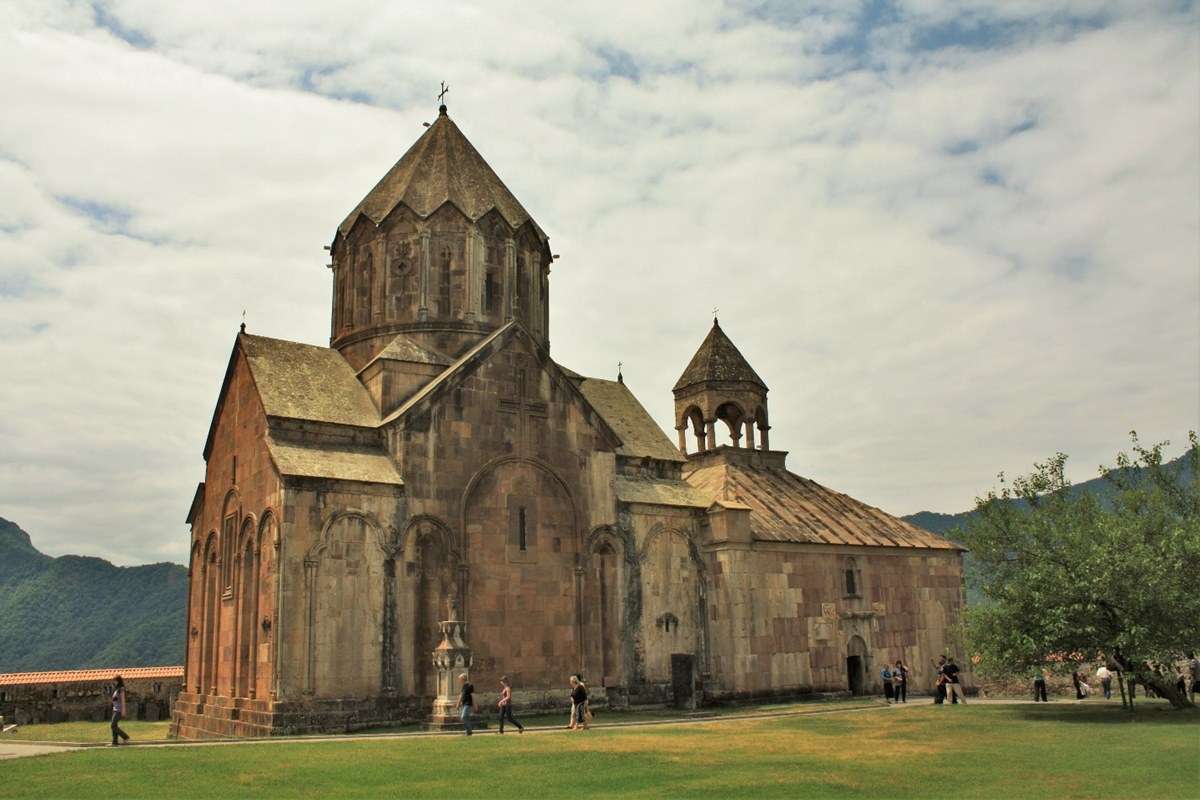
column 854, row 674
column 683, row 679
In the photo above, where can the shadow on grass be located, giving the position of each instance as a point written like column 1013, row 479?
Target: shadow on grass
column 1109, row 714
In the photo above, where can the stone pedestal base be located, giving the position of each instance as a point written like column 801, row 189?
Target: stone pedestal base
column 446, row 717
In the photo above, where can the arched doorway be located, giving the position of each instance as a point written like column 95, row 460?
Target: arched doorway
column 856, row 665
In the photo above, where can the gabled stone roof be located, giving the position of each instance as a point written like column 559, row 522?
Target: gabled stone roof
column 402, row 348
column 640, row 435
column 303, row 381
column 659, row 492
column 785, row 507
column 451, row 372
column 441, row 167
column 717, row 360
column 333, row 461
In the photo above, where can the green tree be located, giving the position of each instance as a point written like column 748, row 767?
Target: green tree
column 1076, row 577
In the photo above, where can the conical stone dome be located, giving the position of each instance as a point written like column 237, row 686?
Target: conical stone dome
column 441, row 167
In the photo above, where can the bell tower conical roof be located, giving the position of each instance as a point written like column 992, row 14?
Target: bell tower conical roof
column 718, row 359
column 441, row 167
column 719, row 385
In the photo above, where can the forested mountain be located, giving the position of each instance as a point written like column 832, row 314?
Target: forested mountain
column 76, row 612
column 947, row 524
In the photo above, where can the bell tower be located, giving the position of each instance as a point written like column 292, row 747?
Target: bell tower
column 720, row 386
column 441, row 251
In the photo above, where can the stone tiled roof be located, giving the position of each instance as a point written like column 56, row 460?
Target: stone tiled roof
column 402, row 348
column 441, row 167
column 717, row 360
column 303, row 381
column 450, row 372
column 89, row 675
column 640, row 435
column 660, row 492
column 345, row 463
column 785, row 507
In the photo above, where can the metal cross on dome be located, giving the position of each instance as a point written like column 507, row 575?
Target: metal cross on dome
column 442, row 93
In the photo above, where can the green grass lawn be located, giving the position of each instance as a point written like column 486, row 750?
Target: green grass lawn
column 92, row 732
column 558, row 719
column 86, row 732
column 1059, row 751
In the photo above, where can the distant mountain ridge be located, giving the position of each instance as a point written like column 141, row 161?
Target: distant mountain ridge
column 75, row 612
column 948, row 524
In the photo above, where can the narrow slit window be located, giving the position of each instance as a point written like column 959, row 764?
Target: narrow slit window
column 851, row 583
column 444, row 285
column 521, row 542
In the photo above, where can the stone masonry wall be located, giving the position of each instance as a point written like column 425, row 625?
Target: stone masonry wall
column 240, row 482
column 86, row 701
column 784, row 621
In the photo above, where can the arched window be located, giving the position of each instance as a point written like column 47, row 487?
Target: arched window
column 228, row 548
column 731, row 414
column 852, row 585
column 491, row 280
column 365, row 279
column 693, row 420
column 443, row 294
column 520, row 291
column 346, row 293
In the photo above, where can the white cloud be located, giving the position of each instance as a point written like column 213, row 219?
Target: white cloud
column 945, row 260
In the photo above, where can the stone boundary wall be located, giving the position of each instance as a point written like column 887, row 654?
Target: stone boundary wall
column 87, row 700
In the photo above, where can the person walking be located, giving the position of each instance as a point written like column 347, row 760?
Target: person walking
column 1077, row 681
column 1180, row 682
column 886, row 675
column 118, row 712
column 1194, row 668
column 579, row 698
column 900, row 682
column 954, row 689
column 466, row 703
column 1039, row 686
column 1105, row 678
column 939, row 683
column 505, row 705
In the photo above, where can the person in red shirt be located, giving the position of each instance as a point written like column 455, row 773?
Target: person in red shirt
column 505, row 706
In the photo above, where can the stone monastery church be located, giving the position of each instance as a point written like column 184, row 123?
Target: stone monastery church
column 434, row 461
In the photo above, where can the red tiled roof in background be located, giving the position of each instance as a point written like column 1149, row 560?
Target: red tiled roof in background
column 89, row 675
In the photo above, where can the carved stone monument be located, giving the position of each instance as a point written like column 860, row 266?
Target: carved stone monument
column 451, row 658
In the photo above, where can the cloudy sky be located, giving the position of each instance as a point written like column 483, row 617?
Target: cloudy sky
column 953, row 237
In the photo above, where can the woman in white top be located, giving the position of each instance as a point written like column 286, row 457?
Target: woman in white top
column 118, row 711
